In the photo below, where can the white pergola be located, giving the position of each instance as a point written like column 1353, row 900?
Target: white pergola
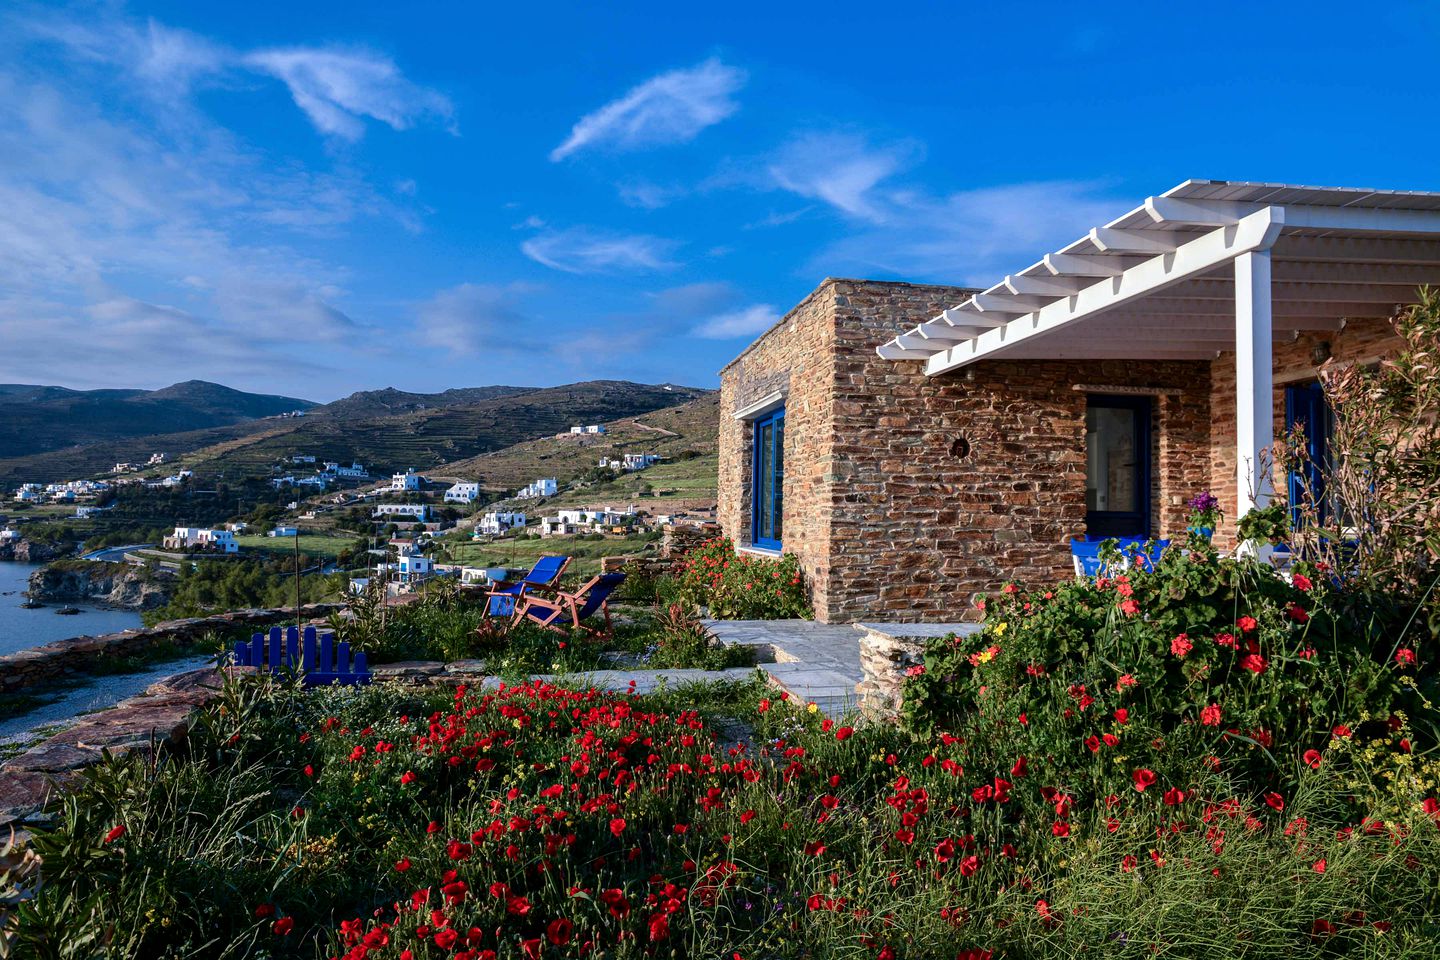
column 1207, row 266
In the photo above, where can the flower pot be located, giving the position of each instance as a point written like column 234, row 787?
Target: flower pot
column 1199, row 531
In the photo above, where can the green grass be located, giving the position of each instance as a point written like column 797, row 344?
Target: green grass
column 313, row 545
column 523, row 553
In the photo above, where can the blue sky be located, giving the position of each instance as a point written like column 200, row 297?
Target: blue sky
column 312, row 199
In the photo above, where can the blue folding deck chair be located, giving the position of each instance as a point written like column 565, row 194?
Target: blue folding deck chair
column 569, row 610
column 1133, row 550
column 319, row 660
column 545, row 574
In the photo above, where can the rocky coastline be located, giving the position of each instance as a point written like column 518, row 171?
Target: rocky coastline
column 34, row 551
column 97, row 581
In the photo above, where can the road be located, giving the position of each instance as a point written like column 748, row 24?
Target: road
column 115, row 554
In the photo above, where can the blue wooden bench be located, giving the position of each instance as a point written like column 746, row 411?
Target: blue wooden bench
column 320, row 661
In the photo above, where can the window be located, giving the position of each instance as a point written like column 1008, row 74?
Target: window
column 767, row 499
column 1117, row 466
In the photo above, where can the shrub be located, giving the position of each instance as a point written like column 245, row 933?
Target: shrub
column 1198, row 667
column 737, row 586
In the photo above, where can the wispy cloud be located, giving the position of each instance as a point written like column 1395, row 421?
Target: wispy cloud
column 337, row 89
column 472, row 317
column 745, row 322
column 648, row 195
column 586, row 250
column 971, row 236
column 669, row 108
column 841, row 169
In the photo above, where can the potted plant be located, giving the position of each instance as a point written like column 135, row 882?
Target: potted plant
column 1204, row 515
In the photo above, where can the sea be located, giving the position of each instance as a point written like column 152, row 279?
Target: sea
column 21, row 629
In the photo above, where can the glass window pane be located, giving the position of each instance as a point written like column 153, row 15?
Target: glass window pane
column 1110, row 460
column 778, row 484
column 766, row 444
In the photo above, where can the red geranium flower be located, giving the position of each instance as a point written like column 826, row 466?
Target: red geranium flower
column 1405, row 656
column 1297, row 613
column 1246, row 624
column 1181, row 645
column 1301, row 582
column 1210, row 716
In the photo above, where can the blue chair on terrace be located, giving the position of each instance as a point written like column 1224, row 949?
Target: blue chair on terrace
column 320, row 661
column 568, row 610
column 543, row 576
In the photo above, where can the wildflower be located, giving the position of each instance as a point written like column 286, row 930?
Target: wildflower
column 559, row 931
column 844, row 733
column 1319, row 866
column 1210, row 716
column 617, row 826
column 283, row 926
column 1181, row 645
column 945, row 850
column 1312, row 758
column 1405, row 656
column 116, row 832
column 1174, row 797
column 814, row 848
column 1060, row 829
column 1143, row 778
column 764, row 706
column 969, row 865
column 407, row 777
column 1297, row 613
column 1275, row 801
column 1018, row 770
column 1128, row 863
column 1122, row 715
column 402, row 864
column 1340, row 730
column 264, row 910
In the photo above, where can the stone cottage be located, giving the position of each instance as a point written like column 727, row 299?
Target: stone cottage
column 916, row 444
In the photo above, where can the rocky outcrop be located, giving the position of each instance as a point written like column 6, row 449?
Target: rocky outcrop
column 34, row 551
column 116, row 584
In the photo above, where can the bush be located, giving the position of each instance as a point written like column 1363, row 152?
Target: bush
column 536, row 821
column 736, row 586
column 1198, row 671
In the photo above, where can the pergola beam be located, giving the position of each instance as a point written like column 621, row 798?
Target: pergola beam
column 1077, row 265
column 1151, row 242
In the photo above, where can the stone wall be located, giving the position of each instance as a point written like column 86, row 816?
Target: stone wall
column 1362, row 341
column 905, row 494
column 66, row 659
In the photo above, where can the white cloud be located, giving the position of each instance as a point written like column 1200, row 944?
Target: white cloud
column 666, row 109
column 840, row 169
column 584, row 250
column 647, row 195
column 337, row 89
column 745, row 322
column 971, row 236
column 472, row 317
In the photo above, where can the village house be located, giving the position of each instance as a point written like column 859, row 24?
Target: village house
column 416, row 511
column 544, row 487
column 201, row 538
column 463, row 492
column 283, row 531
column 407, row 482
column 914, row 445
column 494, row 524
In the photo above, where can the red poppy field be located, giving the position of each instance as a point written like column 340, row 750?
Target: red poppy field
column 1200, row 760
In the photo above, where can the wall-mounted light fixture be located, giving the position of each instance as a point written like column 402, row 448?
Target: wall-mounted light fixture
column 1320, row 353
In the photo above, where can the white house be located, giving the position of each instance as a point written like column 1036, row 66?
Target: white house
column 463, row 492
column 302, row 458
column 595, row 428
column 355, row 471
column 555, row 527
column 283, row 532
column 494, row 524
column 202, row 538
column 413, row 567
column 9, row 535
column 544, row 487
column 406, row 482
column 577, row 429
column 176, row 479
column 155, row 460
column 417, row 511
column 239, row 526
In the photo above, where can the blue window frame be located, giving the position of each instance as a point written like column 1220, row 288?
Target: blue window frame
column 1305, row 408
column 767, row 501
column 1117, row 466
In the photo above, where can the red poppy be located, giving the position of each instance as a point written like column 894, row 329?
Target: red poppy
column 264, row 910
column 407, row 777
column 116, row 832
column 1312, row 757
column 402, row 864
column 1019, row 769
column 446, row 938
column 1174, row 797
column 1275, row 801
column 844, row 733
column 1060, row 829
column 659, row 926
column 559, row 931
column 1143, row 778
column 944, row 850
column 814, row 848
column 617, row 826
column 283, row 926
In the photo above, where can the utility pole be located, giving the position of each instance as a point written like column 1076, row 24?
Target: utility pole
column 297, row 578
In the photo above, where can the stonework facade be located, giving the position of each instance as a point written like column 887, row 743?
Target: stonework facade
column 905, row 495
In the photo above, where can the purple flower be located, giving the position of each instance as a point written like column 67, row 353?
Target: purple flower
column 1204, row 502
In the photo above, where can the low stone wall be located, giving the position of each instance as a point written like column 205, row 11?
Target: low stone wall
column 160, row 717
column 887, row 651
column 65, row 659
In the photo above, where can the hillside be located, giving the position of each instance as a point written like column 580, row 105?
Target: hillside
column 36, row 419
column 429, row 430
column 686, row 430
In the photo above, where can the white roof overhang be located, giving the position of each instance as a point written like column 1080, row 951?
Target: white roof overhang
column 1159, row 282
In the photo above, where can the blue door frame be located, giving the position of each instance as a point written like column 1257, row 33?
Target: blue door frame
column 1127, row 523
column 1305, row 407
column 767, row 501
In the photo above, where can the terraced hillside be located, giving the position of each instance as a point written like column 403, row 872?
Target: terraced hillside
column 431, row 429
column 687, row 431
